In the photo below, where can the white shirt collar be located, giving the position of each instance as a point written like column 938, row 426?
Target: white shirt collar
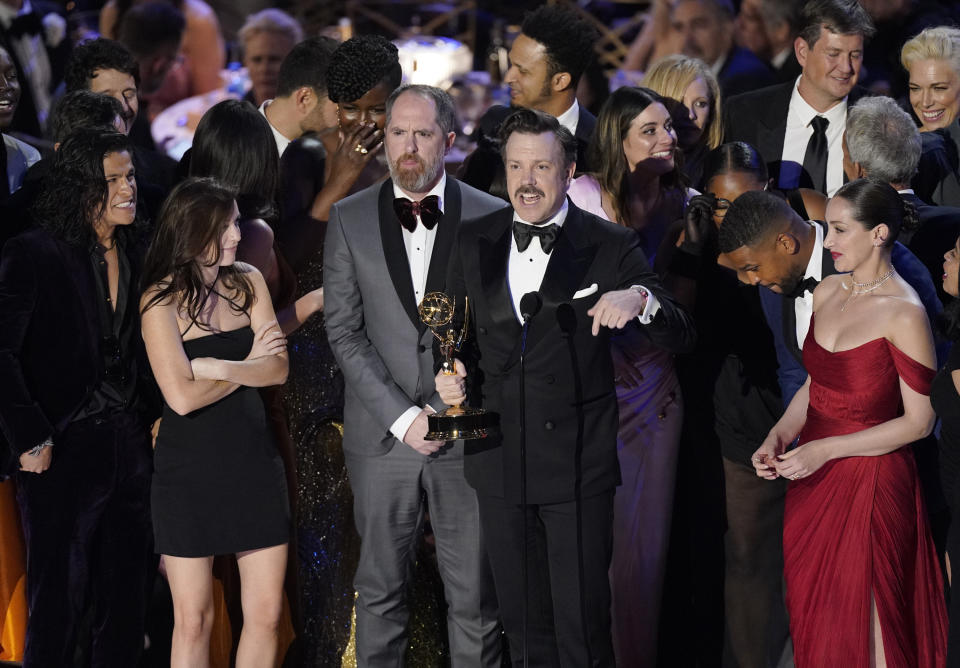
column 437, row 190
column 778, row 60
column 803, row 113
column 906, row 191
column 557, row 219
column 282, row 141
column 718, row 64
column 815, row 263
column 570, row 117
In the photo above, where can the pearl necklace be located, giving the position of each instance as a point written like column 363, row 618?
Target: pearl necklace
column 864, row 288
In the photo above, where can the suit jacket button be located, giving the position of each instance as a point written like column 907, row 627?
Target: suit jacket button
column 483, row 330
column 421, row 348
column 550, row 380
column 548, row 425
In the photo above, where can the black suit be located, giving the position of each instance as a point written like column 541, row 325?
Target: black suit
column 743, row 71
column 87, row 517
column 759, row 118
column 560, row 466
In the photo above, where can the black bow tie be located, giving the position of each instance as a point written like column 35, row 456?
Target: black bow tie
column 523, row 233
column 808, row 284
column 25, row 24
column 428, row 209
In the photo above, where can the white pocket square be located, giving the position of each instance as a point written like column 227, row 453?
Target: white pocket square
column 586, row 292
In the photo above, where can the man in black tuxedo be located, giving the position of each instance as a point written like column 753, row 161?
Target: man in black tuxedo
column 797, row 126
column 547, row 59
column 882, row 142
column 592, row 277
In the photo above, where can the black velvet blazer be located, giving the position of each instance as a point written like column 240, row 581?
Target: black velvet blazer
column 49, row 339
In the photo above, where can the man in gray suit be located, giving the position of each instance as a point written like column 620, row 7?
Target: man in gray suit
column 386, row 247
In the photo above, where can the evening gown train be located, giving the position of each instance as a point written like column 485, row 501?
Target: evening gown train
column 218, row 483
column 857, row 526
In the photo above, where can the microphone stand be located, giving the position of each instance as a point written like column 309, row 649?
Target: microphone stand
column 567, row 320
column 529, row 306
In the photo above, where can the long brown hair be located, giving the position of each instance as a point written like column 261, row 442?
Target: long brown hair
column 606, row 147
column 192, row 220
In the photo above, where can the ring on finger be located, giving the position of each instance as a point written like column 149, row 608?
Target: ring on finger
column 360, row 148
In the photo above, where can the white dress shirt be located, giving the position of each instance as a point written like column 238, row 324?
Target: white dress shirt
column 798, row 133
column 570, row 117
column 282, row 141
column 419, row 245
column 803, row 305
column 526, row 269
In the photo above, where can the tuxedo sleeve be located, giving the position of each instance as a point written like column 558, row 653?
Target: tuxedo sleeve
column 23, row 420
column 790, row 373
column 672, row 327
column 363, row 369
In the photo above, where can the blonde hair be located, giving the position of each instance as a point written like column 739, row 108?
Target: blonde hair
column 940, row 43
column 271, row 20
column 670, row 76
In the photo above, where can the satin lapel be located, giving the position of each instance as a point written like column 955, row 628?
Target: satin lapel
column 395, row 254
column 443, row 241
column 571, row 258
column 493, row 255
column 77, row 266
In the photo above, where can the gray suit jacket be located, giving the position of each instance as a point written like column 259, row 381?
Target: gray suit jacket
column 385, row 352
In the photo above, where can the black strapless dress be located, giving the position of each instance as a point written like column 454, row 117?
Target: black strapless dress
column 218, row 480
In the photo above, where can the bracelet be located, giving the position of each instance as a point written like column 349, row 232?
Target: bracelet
column 37, row 449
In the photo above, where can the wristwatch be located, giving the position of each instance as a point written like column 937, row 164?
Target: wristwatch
column 37, row 449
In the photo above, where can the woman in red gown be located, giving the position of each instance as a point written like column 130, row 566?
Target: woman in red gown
column 863, row 583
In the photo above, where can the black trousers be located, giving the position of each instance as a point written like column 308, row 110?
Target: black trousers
column 86, row 521
column 568, row 614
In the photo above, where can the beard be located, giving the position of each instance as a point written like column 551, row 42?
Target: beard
column 789, row 283
column 418, row 179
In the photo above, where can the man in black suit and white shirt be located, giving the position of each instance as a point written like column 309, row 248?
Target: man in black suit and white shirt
column 592, row 277
column 547, row 59
column 386, row 246
column 797, row 126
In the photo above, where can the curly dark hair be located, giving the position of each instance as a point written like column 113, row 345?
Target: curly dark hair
column 233, row 144
column 191, row 222
column 74, row 192
column 359, row 65
column 83, row 109
column 568, row 39
column 98, row 54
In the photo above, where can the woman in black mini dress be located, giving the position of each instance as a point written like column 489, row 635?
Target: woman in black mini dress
column 218, row 484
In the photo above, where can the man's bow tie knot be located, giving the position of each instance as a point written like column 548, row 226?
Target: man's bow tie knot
column 523, row 233
column 808, row 284
column 428, row 209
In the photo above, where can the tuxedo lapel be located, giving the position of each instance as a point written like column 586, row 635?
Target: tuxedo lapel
column 443, row 242
column 493, row 255
column 78, row 268
column 395, row 253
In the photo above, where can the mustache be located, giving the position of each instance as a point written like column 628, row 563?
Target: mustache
column 409, row 156
column 528, row 190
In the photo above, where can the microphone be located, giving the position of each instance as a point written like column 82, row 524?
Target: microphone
column 567, row 319
column 530, row 305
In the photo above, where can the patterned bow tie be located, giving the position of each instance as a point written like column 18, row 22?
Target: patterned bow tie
column 808, row 284
column 523, row 233
column 25, row 24
column 428, row 209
